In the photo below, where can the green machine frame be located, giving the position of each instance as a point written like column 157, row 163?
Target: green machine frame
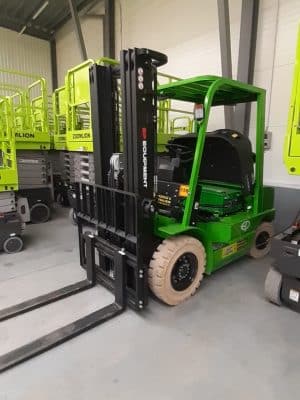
column 8, row 163
column 292, row 137
column 230, row 236
column 30, row 111
column 59, row 118
column 79, row 135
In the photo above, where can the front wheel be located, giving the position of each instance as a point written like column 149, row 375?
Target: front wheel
column 39, row 213
column 13, row 244
column 262, row 240
column 176, row 269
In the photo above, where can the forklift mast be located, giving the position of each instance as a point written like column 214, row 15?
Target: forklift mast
column 122, row 217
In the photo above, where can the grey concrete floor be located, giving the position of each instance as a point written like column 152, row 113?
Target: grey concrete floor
column 227, row 342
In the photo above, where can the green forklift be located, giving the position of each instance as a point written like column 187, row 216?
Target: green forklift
column 160, row 220
column 199, row 205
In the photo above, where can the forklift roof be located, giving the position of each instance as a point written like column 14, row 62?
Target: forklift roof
column 227, row 91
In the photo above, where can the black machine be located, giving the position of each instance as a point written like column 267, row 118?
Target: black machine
column 282, row 284
column 121, row 242
column 61, row 191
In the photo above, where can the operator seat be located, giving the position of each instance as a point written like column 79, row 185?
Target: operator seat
column 227, row 157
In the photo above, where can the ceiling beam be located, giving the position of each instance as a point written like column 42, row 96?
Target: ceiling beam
column 109, row 29
column 225, row 47
column 246, row 60
column 82, row 8
column 17, row 25
column 78, row 31
column 53, row 63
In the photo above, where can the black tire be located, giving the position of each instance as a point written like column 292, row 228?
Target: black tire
column 273, row 285
column 39, row 213
column 13, row 244
column 73, row 217
column 176, row 269
column 262, row 240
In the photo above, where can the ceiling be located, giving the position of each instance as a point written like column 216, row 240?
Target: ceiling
column 39, row 18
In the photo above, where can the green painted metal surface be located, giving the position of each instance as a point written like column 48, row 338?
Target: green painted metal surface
column 59, row 118
column 220, row 199
column 30, row 110
column 292, row 138
column 79, row 136
column 230, row 236
column 8, row 163
column 78, row 120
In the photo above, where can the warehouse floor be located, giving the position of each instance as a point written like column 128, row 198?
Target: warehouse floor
column 227, row 342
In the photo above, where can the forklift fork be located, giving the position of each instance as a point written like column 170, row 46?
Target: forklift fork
column 80, row 325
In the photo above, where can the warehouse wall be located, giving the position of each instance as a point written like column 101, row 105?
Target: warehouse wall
column 67, row 50
column 190, row 37
column 26, row 54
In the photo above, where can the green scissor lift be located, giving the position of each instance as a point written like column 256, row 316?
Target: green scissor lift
column 11, row 227
column 31, row 111
column 31, row 122
column 78, row 116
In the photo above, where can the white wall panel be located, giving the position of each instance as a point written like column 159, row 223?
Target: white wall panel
column 190, row 37
column 26, row 54
column 67, row 50
column 188, row 33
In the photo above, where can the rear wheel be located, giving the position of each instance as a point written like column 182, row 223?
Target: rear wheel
column 13, row 244
column 273, row 284
column 39, row 213
column 262, row 240
column 176, row 269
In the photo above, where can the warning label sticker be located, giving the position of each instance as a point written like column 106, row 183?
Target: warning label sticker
column 229, row 250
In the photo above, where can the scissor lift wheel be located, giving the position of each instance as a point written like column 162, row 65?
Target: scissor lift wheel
column 176, row 269
column 262, row 240
column 13, row 244
column 39, row 213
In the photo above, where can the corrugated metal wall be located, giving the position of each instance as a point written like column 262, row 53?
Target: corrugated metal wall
column 26, row 54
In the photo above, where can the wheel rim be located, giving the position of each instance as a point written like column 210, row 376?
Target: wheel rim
column 13, row 245
column 184, row 271
column 262, row 240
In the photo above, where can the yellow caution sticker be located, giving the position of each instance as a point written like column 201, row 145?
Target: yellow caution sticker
column 229, row 250
column 183, row 190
